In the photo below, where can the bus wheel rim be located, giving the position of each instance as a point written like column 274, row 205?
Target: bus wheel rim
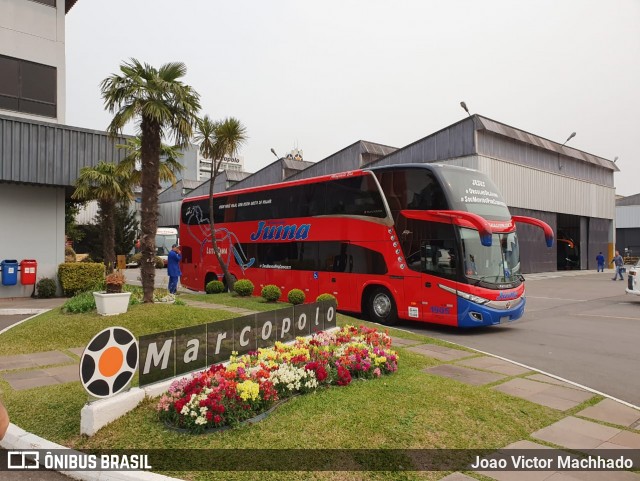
column 382, row 305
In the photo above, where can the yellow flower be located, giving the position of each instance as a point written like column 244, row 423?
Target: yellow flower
column 379, row 360
column 248, row 390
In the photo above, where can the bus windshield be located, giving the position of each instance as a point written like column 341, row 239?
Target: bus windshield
column 474, row 192
column 497, row 264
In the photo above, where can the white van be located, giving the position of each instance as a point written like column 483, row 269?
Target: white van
column 633, row 280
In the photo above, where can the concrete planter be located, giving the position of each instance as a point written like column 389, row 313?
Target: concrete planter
column 111, row 304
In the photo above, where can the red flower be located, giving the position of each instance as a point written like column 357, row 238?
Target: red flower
column 217, row 419
column 344, row 376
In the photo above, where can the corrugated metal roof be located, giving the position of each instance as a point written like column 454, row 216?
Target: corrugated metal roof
column 236, row 175
column 517, row 134
column 629, row 200
column 191, row 184
column 379, row 149
column 296, row 164
column 45, row 153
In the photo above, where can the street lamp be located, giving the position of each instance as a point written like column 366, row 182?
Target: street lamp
column 464, row 106
column 615, row 159
column 573, row 134
column 274, row 153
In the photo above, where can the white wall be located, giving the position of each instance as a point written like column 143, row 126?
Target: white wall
column 35, row 32
column 31, row 227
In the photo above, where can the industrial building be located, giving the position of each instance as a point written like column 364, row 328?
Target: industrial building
column 40, row 159
column 571, row 190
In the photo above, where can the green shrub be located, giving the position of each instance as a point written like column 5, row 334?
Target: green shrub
column 244, row 287
column 69, row 254
column 46, row 288
column 137, row 259
column 79, row 276
column 83, row 302
column 271, row 293
column 327, row 297
column 296, row 296
column 214, row 287
column 88, row 260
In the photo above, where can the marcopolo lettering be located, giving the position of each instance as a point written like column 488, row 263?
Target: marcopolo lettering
column 280, row 232
column 170, row 353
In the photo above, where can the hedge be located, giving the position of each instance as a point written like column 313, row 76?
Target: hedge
column 77, row 277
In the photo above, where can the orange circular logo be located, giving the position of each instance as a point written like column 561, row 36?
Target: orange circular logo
column 109, row 362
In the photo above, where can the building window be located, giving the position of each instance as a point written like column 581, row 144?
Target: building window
column 28, row 87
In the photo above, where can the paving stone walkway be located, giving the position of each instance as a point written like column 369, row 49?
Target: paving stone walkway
column 583, row 432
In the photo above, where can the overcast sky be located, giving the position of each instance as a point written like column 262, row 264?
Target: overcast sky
column 321, row 75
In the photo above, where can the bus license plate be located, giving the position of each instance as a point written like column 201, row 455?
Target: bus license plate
column 504, row 319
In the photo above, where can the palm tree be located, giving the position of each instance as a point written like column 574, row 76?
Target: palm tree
column 219, row 139
column 161, row 105
column 169, row 164
column 104, row 184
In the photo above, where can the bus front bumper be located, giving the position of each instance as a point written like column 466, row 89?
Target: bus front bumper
column 471, row 314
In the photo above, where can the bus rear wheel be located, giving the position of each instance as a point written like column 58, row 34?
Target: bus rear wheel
column 382, row 307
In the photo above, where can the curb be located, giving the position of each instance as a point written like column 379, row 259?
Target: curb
column 34, row 312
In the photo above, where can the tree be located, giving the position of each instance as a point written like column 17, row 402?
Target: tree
column 161, row 105
column 104, row 184
column 169, row 164
column 126, row 229
column 71, row 229
column 219, row 139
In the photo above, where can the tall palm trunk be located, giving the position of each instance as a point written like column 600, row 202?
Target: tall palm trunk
column 230, row 281
column 108, row 208
column 149, row 155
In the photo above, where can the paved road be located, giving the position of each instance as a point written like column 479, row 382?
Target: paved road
column 583, row 328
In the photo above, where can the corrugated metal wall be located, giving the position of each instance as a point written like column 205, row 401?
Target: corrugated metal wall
column 598, row 240
column 51, row 154
column 535, row 256
column 511, row 150
column 627, row 216
column 526, row 187
column 169, row 214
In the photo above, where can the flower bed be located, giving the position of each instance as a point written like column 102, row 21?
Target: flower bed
column 251, row 384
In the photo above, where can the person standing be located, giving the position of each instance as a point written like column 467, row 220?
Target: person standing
column 618, row 263
column 173, row 268
column 600, row 261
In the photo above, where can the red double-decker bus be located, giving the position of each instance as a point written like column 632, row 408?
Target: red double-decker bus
column 422, row 242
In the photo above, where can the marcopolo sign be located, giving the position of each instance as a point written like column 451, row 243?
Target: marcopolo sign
column 171, row 353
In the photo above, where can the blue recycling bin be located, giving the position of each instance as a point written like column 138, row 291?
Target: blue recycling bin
column 9, row 272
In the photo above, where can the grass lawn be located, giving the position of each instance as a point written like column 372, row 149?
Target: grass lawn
column 233, row 300
column 408, row 409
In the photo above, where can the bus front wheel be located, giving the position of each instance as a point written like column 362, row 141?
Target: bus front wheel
column 382, row 307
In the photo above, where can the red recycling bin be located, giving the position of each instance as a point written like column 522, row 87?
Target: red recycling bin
column 28, row 270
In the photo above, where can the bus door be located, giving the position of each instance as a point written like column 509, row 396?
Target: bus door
column 435, row 264
column 290, row 265
column 440, row 269
column 336, row 274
